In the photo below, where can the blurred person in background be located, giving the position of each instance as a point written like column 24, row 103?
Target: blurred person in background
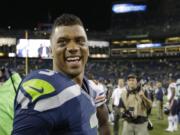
column 108, row 96
column 115, row 102
column 9, row 82
column 2, row 76
column 133, row 106
column 101, row 105
column 178, row 97
column 172, row 106
column 151, row 92
column 43, row 51
column 159, row 100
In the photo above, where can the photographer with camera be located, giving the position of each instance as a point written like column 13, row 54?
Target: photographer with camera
column 133, row 106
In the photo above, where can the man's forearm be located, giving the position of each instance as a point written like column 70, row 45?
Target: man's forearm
column 147, row 102
column 102, row 114
column 104, row 130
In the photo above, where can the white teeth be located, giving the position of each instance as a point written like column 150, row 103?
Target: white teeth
column 73, row 59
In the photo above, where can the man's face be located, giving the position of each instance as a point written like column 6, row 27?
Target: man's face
column 132, row 83
column 69, row 49
column 158, row 84
column 121, row 82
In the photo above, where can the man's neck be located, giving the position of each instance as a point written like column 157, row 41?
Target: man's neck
column 78, row 80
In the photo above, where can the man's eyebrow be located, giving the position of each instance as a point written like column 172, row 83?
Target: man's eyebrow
column 67, row 37
column 80, row 37
column 62, row 38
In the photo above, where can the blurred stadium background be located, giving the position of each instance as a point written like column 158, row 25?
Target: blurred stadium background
column 141, row 36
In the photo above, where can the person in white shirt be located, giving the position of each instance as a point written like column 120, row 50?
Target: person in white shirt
column 172, row 105
column 115, row 101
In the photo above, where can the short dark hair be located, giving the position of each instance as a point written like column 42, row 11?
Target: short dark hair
column 67, row 20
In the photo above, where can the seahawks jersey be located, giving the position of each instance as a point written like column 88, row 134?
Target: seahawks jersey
column 50, row 103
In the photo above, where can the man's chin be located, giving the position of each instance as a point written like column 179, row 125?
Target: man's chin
column 74, row 74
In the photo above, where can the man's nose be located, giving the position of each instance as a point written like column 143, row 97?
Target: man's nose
column 73, row 48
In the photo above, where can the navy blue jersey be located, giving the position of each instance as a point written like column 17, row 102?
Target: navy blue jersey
column 50, row 103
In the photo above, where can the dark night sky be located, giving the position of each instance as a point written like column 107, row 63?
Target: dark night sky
column 96, row 14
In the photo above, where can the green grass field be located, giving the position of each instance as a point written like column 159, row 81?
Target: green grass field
column 159, row 125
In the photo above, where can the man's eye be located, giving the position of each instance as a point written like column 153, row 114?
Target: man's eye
column 81, row 42
column 62, row 42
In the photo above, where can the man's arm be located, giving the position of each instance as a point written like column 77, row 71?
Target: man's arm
column 101, row 109
column 173, row 94
column 147, row 102
column 102, row 115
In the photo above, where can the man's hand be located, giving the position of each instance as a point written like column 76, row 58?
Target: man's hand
column 147, row 102
column 141, row 94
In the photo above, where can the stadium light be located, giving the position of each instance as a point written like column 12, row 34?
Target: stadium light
column 126, row 8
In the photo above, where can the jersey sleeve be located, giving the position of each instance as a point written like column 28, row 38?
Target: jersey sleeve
column 100, row 97
column 27, row 120
column 35, row 86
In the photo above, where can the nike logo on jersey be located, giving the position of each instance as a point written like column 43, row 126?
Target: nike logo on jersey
column 36, row 88
column 40, row 90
